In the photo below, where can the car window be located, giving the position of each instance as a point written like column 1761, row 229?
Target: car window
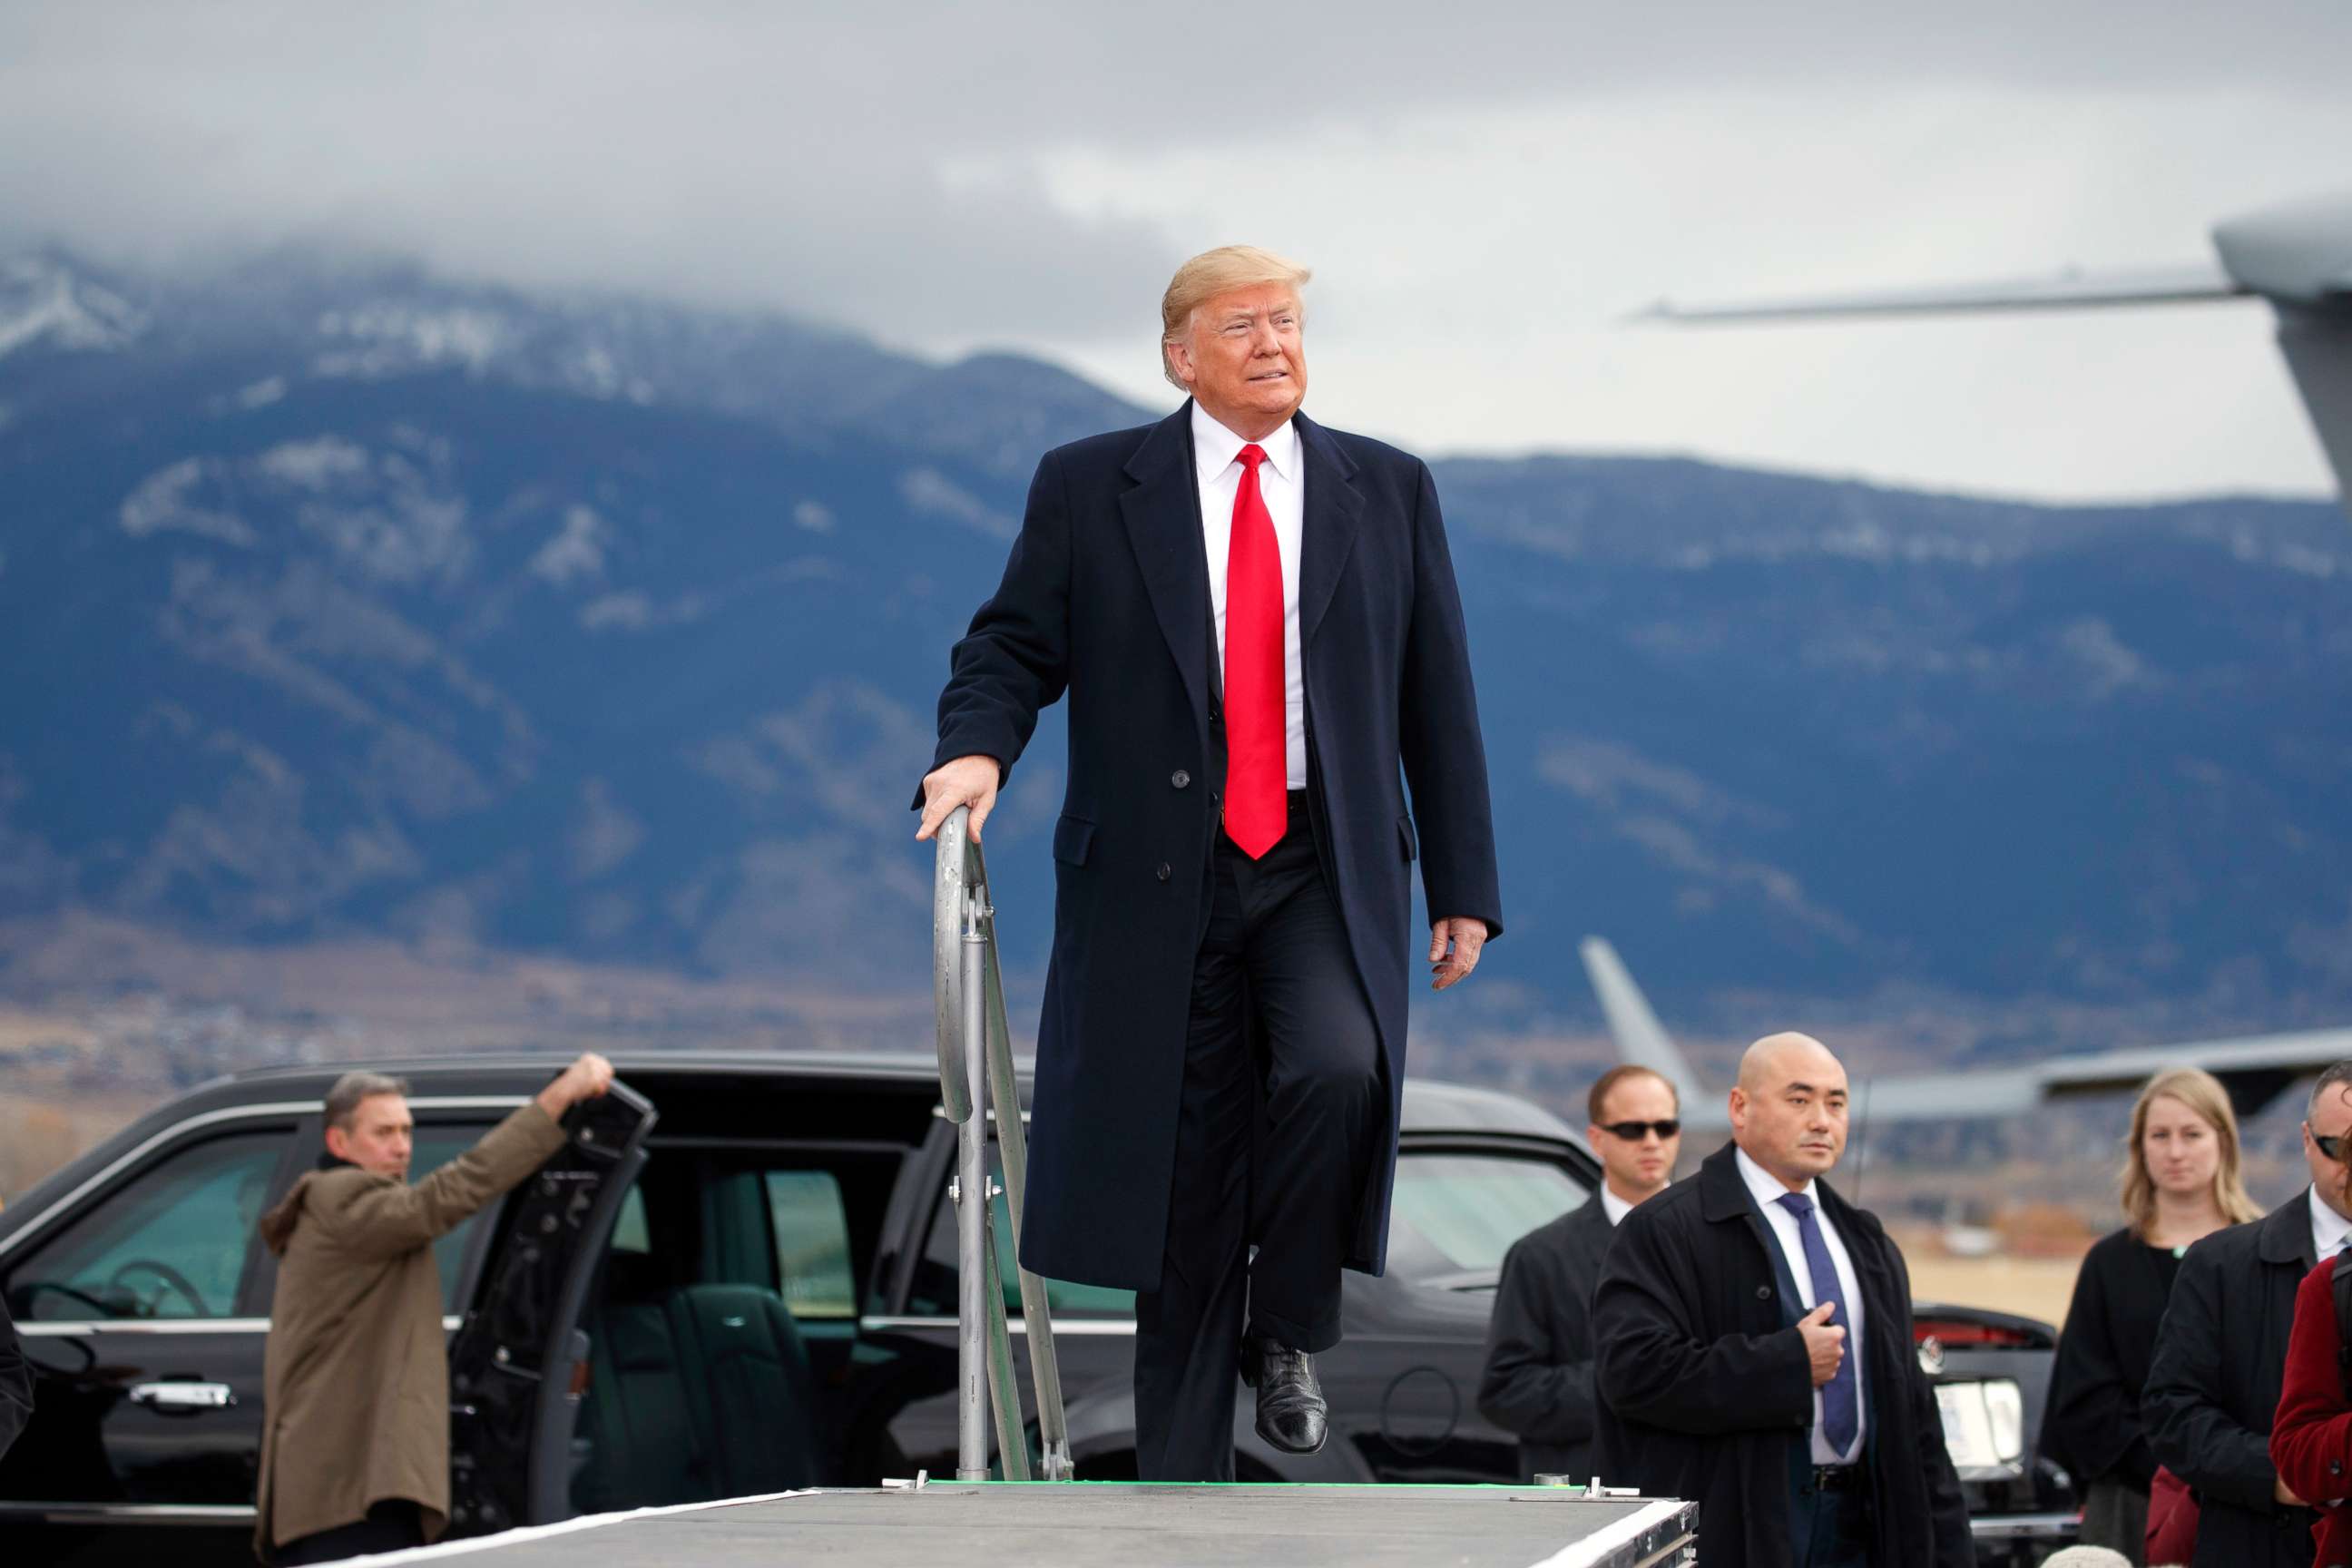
column 933, row 1292
column 1457, row 1213
column 630, row 1231
column 171, row 1242
column 812, row 1229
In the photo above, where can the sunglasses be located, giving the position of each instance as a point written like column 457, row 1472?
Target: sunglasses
column 1631, row 1130
column 2334, row 1147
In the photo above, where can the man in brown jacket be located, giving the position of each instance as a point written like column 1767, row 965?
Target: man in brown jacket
column 355, row 1383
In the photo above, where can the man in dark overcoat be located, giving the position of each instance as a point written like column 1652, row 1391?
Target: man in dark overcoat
column 2220, row 1355
column 1538, row 1376
column 1255, row 621
column 1756, row 1354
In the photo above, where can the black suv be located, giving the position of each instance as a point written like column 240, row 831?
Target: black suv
column 743, row 1280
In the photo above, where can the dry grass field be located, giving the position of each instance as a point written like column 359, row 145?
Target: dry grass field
column 2031, row 1286
column 37, row 1139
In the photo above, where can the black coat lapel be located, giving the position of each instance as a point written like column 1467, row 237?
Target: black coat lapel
column 1724, row 1199
column 1163, row 525
column 1334, row 506
column 2285, row 1235
column 1591, row 1233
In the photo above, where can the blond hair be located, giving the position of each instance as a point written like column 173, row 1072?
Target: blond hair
column 2202, row 1093
column 1210, row 274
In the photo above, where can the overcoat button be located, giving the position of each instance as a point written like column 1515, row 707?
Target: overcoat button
column 1180, row 778
column 1763, row 1292
column 1166, row 870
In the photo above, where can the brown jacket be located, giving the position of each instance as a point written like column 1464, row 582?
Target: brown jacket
column 355, row 1383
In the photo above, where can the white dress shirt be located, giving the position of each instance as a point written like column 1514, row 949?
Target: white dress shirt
column 1282, row 481
column 1615, row 1207
column 2329, row 1230
column 1767, row 1190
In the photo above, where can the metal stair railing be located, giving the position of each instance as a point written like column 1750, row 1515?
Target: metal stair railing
column 977, row 1087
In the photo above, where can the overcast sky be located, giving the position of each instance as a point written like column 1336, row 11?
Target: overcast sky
column 1483, row 191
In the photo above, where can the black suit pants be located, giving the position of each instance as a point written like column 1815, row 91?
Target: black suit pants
column 393, row 1524
column 1283, row 1090
column 1831, row 1529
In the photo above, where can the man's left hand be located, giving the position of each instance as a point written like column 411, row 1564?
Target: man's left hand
column 1465, row 937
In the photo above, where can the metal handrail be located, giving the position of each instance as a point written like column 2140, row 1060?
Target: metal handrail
column 976, row 1070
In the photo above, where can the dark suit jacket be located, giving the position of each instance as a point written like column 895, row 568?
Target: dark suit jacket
column 1106, row 598
column 2213, row 1388
column 1705, row 1391
column 16, row 1383
column 2091, row 1421
column 1539, row 1379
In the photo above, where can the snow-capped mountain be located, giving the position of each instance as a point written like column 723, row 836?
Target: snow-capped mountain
column 346, row 598
column 47, row 300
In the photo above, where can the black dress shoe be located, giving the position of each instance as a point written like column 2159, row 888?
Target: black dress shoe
column 1291, row 1413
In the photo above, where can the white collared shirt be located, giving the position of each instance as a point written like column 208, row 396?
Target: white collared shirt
column 1282, row 481
column 1767, row 1190
column 2329, row 1230
column 1615, row 1207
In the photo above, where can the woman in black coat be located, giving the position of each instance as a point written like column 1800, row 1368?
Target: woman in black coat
column 2180, row 1183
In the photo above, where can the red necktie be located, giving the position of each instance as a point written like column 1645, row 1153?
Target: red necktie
column 1257, row 751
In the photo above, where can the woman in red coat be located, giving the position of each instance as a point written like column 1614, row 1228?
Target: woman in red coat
column 2311, row 1441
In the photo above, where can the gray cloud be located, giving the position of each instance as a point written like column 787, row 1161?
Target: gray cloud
column 733, row 156
column 1484, row 187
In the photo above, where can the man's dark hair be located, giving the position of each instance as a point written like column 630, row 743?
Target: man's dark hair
column 344, row 1098
column 1595, row 1101
column 2338, row 1076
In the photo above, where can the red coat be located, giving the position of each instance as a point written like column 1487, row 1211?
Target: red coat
column 2311, row 1441
column 2171, row 1519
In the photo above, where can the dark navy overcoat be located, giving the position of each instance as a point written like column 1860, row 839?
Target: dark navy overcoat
column 1106, row 599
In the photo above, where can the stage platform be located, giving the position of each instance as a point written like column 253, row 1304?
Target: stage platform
column 1119, row 1524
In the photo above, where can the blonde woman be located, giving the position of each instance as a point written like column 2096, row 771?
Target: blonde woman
column 2180, row 1183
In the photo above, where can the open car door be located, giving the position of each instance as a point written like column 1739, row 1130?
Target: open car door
column 517, row 1364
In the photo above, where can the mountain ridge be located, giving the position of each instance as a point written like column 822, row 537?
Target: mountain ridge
column 358, row 600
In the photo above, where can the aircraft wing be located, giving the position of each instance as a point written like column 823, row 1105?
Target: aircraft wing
column 2069, row 291
column 1642, row 1040
column 1945, row 1097
column 1925, row 1097
column 2254, row 1068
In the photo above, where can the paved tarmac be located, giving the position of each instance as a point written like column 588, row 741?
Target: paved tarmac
column 1109, row 1525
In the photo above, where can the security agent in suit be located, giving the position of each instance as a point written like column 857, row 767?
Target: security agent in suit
column 16, row 1383
column 2219, row 1366
column 1255, row 621
column 1755, row 1348
column 1538, row 1378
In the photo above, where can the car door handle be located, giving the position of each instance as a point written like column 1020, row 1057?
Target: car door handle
column 183, row 1395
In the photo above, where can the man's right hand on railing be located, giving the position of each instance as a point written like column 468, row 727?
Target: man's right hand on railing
column 967, row 781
